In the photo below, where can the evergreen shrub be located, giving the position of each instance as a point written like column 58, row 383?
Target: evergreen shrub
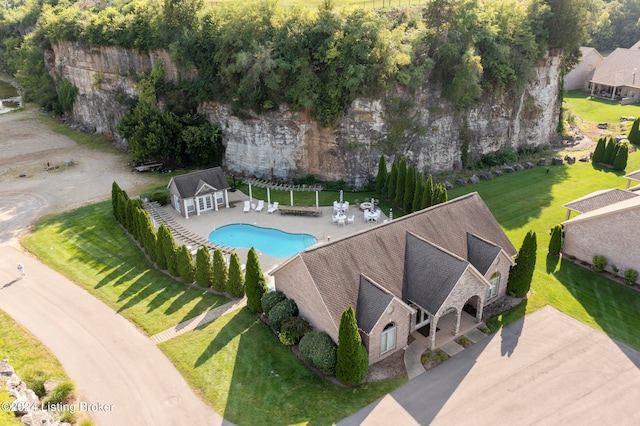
column 630, row 276
column 284, row 309
column 292, row 329
column 271, row 299
column 317, row 348
column 599, row 263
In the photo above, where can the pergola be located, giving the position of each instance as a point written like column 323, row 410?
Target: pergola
column 281, row 187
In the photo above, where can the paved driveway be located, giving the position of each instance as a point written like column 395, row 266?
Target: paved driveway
column 546, row 369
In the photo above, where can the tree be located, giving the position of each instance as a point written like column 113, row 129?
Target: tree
column 150, row 242
column 417, row 195
column 598, row 153
column 115, row 193
column 427, row 195
column 610, row 152
column 184, row 261
column 521, row 273
column 381, row 177
column 161, row 257
column 440, row 194
column 622, row 155
column 167, row 246
column 393, row 179
column 204, row 267
column 220, row 274
column 400, row 183
column 555, row 243
column 352, row 362
column 409, row 189
column 235, row 283
column 254, row 283
column 634, row 133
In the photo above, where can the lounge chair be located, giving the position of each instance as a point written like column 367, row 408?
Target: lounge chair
column 273, row 208
column 260, row 205
column 247, row 206
column 351, row 218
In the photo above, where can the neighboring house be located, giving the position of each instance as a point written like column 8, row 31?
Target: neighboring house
column 579, row 77
column 607, row 226
column 404, row 274
column 616, row 77
column 198, row 192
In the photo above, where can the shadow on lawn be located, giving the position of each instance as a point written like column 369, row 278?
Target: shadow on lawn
column 612, row 306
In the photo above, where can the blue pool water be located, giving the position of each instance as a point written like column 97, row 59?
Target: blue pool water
column 271, row 241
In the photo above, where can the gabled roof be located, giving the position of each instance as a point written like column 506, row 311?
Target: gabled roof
column 372, row 303
column 430, row 273
column 618, row 69
column 378, row 252
column 190, row 184
column 599, row 199
column 612, row 209
column 481, row 253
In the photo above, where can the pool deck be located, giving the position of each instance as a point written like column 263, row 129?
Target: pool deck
column 318, row 226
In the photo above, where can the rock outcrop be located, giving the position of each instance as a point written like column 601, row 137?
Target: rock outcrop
column 285, row 144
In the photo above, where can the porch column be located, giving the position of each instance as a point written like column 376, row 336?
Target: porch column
column 196, row 200
column 226, row 198
column 215, row 201
column 186, row 211
column 432, row 332
column 268, row 196
column 456, row 329
column 479, row 309
column 291, row 196
column 250, row 197
column 317, row 205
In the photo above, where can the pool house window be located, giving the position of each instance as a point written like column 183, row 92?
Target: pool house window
column 388, row 338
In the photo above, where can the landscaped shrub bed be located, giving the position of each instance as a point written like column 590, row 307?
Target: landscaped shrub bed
column 317, row 348
column 284, row 309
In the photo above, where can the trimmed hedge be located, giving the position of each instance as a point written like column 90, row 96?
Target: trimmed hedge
column 271, row 299
column 320, row 351
column 292, row 330
column 599, row 263
column 284, row 309
column 630, row 276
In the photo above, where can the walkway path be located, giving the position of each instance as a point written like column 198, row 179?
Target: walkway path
column 110, row 360
column 202, row 319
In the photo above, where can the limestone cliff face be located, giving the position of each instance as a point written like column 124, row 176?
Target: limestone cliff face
column 286, row 144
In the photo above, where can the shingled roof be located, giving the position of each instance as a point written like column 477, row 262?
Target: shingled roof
column 372, row 303
column 599, row 199
column 379, row 252
column 481, row 253
column 620, row 68
column 190, row 184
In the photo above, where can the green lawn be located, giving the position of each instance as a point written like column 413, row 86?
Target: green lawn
column 89, row 247
column 250, row 378
column 597, row 110
column 532, row 200
column 33, row 362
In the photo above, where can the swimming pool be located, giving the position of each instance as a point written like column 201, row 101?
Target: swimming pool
column 268, row 240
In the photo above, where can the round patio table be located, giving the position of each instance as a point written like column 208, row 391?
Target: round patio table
column 365, row 206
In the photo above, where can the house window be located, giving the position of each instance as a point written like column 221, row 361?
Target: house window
column 495, row 285
column 190, row 206
column 219, row 198
column 388, row 338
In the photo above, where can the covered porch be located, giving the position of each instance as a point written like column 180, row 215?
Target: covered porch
column 445, row 329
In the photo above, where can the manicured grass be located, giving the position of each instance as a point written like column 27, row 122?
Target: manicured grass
column 598, row 110
column 240, row 367
column 532, row 200
column 33, row 362
column 89, row 247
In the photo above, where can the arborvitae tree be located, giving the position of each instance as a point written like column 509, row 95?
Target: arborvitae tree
column 254, row 283
column 352, row 362
column 555, row 243
column 115, row 193
column 161, row 257
column 381, row 177
column 128, row 218
column 393, row 180
column 150, row 241
column 400, row 183
column 220, row 275
column 235, row 283
column 186, row 269
column 167, row 244
column 409, row 189
column 440, row 194
column 598, row 153
column 620, row 162
column 123, row 201
column 427, row 195
column 417, row 194
column 521, row 273
column 204, row 267
column 634, row 133
column 385, row 188
column 610, row 152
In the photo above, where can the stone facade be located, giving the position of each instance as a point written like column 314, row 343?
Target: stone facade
column 286, row 144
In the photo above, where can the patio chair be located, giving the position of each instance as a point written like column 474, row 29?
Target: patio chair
column 260, row 205
column 273, row 208
column 334, row 218
column 247, row 206
column 341, row 221
column 351, row 218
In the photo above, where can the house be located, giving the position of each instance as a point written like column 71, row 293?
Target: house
column 199, row 191
column 616, row 76
column 403, row 275
column 579, row 77
column 607, row 226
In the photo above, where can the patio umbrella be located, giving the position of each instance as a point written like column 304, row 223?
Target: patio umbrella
column 341, row 197
column 390, row 214
column 373, row 205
